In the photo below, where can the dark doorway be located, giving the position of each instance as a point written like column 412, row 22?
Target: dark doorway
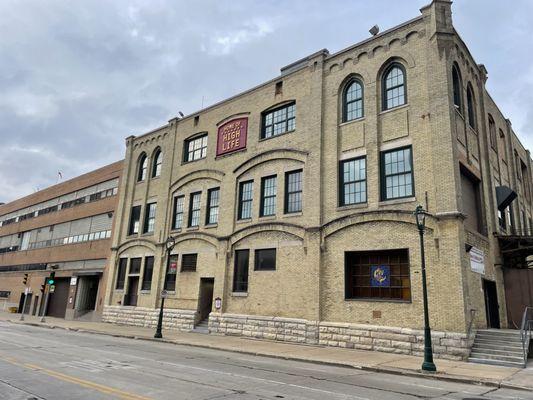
column 57, row 302
column 87, row 293
column 205, row 300
column 491, row 304
column 130, row 299
column 518, row 284
column 35, row 304
column 27, row 305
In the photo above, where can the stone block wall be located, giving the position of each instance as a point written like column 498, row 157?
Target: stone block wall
column 446, row 345
column 181, row 320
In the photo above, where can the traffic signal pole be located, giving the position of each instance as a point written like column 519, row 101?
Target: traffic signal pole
column 45, row 304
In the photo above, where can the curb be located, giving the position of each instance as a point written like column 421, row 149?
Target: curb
column 387, row 370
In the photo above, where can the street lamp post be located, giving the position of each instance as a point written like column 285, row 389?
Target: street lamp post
column 170, row 243
column 428, row 364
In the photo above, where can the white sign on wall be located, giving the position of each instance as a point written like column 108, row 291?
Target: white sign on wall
column 477, row 260
column 73, row 280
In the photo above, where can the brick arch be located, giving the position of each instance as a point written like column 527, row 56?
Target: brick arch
column 203, row 237
column 136, row 243
column 394, row 216
column 289, row 229
column 213, row 174
column 270, row 155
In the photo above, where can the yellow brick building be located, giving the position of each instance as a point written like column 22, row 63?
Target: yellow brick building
column 285, row 200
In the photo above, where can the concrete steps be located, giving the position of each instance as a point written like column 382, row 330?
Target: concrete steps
column 202, row 326
column 498, row 347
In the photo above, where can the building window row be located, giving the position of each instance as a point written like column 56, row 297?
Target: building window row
column 188, row 264
column 268, row 195
column 86, row 237
column 149, row 219
column 397, row 181
column 142, row 165
column 457, row 88
column 264, row 260
column 212, row 211
column 394, row 93
column 67, row 204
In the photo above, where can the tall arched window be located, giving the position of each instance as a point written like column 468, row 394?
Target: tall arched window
column 352, row 101
column 142, row 165
column 492, row 133
column 394, row 86
column 457, row 89
column 471, row 107
column 158, row 161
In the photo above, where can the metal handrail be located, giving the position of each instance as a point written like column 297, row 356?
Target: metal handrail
column 525, row 331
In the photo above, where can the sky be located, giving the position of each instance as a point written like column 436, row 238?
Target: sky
column 78, row 77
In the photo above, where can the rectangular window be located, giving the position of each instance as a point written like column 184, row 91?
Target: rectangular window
column 148, row 272
column 121, row 273
column 213, row 200
column 135, row 218
column 293, row 191
column 172, row 270
column 149, row 218
column 195, row 148
column 265, row 260
column 353, row 181
column 278, row 121
column 240, row 273
column 188, row 262
column 178, row 212
column 135, row 265
column 382, row 275
column 246, row 190
column 268, row 196
column 396, row 174
column 194, row 209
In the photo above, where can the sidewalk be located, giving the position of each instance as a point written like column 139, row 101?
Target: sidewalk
column 457, row 371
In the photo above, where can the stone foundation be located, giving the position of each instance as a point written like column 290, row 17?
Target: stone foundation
column 447, row 345
column 182, row 320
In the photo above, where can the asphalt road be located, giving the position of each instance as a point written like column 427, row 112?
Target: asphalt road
column 40, row 363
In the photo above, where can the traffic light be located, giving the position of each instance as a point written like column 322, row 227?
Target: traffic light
column 51, row 279
column 25, row 280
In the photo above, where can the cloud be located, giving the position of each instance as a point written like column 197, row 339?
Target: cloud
column 76, row 78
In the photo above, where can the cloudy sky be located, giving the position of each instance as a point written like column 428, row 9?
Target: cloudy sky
column 77, row 77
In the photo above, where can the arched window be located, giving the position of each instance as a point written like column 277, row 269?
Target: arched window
column 492, row 133
column 158, row 161
column 352, row 100
column 394, row 86
column 457, row 89
column 142, row 165
column 471, row 107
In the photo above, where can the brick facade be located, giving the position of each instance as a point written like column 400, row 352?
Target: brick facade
column 304, row 299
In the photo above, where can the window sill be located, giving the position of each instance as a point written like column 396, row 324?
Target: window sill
column 352, row 206
column 352, row 121
column 267, row 217
column 177, row 230
column 144, row 292
column 211, row 226
column 193, row 161
column 147, row 234
column 394, row 109
column 239, row 294
column 265, row 270
column 366, row 299
column 154, row 178
column 243, row 221
column 292, row 215
column 276, row 136
column 132, row 236
column 119, row 290
column 411, row 199
column 193, row 228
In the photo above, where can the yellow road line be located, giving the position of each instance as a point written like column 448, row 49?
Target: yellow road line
column 78, row 381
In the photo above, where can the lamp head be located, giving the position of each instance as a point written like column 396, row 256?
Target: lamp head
column 420, row 215
column 170, row 242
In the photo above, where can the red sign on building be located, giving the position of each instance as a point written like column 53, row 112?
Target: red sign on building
column 232, row 136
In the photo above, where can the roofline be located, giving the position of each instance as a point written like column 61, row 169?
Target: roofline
column 5, row 205
column 386, row 32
